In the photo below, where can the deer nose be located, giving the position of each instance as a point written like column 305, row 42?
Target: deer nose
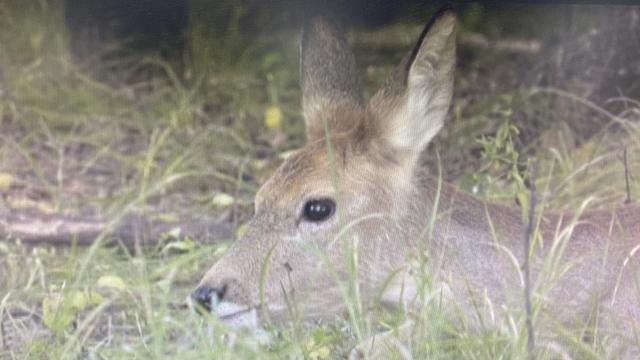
column 208, row 296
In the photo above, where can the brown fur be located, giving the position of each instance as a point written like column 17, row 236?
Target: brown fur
column 385, row 203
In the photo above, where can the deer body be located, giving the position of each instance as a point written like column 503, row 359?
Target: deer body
column 482, row 244
column 357, row 188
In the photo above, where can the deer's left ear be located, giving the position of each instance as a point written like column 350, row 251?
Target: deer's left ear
column 410, row 108
column 329, row 77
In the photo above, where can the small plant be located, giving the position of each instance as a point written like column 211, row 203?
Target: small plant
column 499, row 150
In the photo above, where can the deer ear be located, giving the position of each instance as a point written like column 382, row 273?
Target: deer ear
column 328, row 76
column 410, row 108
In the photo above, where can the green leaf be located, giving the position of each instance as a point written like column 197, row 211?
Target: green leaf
column 185, row 245
column 55, row 316
column 59, row 310
column 242, row 229
column 221, row 200
column 111, row 282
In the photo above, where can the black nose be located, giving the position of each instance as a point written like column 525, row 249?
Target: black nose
column 206, row 296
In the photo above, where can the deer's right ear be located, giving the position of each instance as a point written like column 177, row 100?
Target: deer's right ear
column 328, row 76
column 410, row 108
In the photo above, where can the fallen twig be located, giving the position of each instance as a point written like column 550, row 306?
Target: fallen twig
column 528, row 235
column 626, row 177
column 404, row 37
column 133, row 230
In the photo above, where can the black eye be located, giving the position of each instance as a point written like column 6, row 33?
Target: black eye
column 318, row 210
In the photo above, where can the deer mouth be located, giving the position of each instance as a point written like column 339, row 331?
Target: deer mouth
column 236, row 315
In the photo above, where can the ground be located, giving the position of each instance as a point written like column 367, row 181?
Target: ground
column 196, row 138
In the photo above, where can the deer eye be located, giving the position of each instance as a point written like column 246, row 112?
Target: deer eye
column 318, row 210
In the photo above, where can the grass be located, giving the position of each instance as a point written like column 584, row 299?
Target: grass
column 171, row 141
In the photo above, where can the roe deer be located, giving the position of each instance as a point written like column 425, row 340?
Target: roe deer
column 358, row 177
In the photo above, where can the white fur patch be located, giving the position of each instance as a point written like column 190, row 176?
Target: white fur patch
column 237, row 316
column 404, row 292
column 240, row 317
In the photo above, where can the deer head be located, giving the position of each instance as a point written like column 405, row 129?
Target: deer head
column 350, row 191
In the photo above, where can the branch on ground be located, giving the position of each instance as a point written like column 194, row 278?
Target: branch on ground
column 132, row 230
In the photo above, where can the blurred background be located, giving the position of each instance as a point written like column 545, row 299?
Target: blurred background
column 117, row 73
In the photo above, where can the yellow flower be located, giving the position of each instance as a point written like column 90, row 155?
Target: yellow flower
column 272, row 117
column 6, row 180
